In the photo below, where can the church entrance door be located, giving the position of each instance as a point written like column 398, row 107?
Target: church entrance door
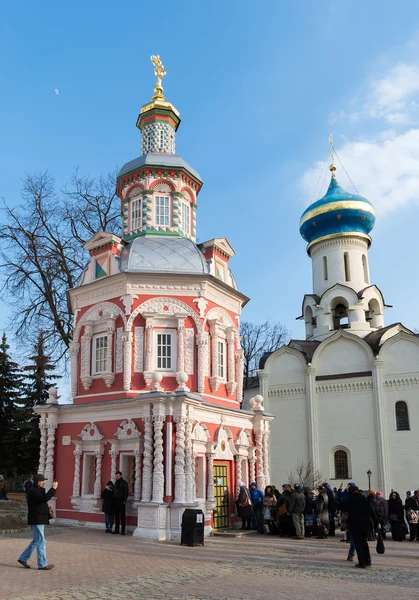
column 221, row 497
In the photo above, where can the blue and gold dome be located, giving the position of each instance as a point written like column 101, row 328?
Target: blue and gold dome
column 338, row 213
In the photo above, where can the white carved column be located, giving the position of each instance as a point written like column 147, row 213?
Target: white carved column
column 238, row 460
column 137, row 484
column 109, row 375
column 127, row 353
column 98, row 479
column 231, row 360
column 74, row 348
column 259, row 460
column 147, row 459
column 214, row 347
column 210, row 478
column 149, row 351
column 239, row 373
column 180, row 460
column 113, row 454
column 203, row 360
column 43, row 445
column 252, row 466
column 383, row 460
column 86, row 356
column 158, row 467
column 49, row 463
column 181, row 344
column 76, row 480
column 313, row 434
column 266, row 469
column 189, row 463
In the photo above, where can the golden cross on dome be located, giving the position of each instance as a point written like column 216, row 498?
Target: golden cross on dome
column 332, row 167
column 159, row 72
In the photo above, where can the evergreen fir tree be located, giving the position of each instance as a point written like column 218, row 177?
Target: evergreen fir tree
column 11, row 412
column 35, row 393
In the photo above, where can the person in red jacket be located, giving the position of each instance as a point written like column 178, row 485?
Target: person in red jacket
column 38, row 517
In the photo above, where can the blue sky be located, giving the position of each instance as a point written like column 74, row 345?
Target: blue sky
column 259, row 87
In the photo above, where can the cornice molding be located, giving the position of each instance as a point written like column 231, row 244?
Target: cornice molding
column 398, row 382
column 344, row 386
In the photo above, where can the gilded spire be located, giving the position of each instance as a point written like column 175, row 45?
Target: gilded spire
column 159, row 72
column 332, row 167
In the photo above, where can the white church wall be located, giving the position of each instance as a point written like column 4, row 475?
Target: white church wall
column 400, row 356
column 341, row 355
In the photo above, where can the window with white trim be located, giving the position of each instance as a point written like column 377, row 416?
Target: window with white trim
column 221, row 358
column 185, row 220
column 99, row 354
column 164, row 351
column 162, row 210
column 136, row 213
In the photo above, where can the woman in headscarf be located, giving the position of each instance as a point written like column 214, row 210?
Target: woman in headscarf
column 331, row 508
column 411, row 506
column 244, row 505
column 381, row 509
column 322, row 513
column 269, row 508
column 396, row 516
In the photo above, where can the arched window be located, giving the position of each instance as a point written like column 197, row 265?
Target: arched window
column 341, row 464
column 402, row 416
column 365, row 268
column 347, row 269
column 325, row 268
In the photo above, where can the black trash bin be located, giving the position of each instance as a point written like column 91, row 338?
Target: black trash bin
column 192, row 527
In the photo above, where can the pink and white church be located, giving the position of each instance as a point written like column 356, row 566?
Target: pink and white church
column 156, row 362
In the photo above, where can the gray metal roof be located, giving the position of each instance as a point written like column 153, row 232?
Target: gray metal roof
column 161, row 254
column 158, row 160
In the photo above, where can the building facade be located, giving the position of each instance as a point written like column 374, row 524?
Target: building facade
column 347, row 396
column 156, row 362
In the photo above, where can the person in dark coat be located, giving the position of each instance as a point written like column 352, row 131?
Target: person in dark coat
column 331, row 508
column 309, row 512
column 322, row 513
column 396, row 517
column 372, row 500
column 360, row 515
column 244, row 506
column 38, row 517
column 411, row 507
column 120, row 497
column 381, row 509
column 107, row 508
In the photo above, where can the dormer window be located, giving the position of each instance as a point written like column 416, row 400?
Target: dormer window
column 135, row 213
column 185, row 218
column 162, row 210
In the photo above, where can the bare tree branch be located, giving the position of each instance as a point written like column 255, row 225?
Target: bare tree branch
column 306, row 474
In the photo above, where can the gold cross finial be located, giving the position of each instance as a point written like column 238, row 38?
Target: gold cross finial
column 159, row 72
column 332, row 167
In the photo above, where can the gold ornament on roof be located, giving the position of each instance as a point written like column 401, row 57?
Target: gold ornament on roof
column 159, row 72
column 332, row 167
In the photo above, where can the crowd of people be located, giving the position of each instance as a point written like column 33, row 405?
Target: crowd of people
column 300, row 512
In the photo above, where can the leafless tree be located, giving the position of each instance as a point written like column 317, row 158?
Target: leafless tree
column 41, row 254
column 258, row 339
column 305, row 473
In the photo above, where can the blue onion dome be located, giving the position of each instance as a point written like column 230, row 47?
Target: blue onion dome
column 338, row 213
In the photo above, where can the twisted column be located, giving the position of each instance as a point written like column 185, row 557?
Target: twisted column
column 149, row 351
column 49, row 463
column 239, row 374
column 180, row 460
column 189, row 464
column 265, row 445
column 97, row 490
column 74, row 348
column 203, row 360
column 127, row 353
column 86, row 358
column 137, row 484
column 43, row 446
column 259, row 460
column 181, row 345
column 147, row 459
column 158, row 468
column 113, row 454
column 238, row 460
column 76, row 481
column 210, row 477
column 252, row 472
column 231, row 346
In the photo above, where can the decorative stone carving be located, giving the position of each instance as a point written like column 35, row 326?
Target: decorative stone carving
column 243, row 438
column 158, row 469
column 76, row 481
column 127, row 351
column 220, row 314
column 118, row 350
column 189, row 464
column 259, row 460
column 102, row 310
column 113, row 454
column 127, row 301
column 344, row 386
column 74, row 348
column 203, row 360
column 147, row 459
column 138, row 349
column 182, row 378
column 180, row 460
column 223, row 447
column 252, row 471
column 189, row 350
column 238, row 473
column 181, row 344
column 201, row 305
column 98, row 479
column 127, row 430
column 239, row 374
column 287, row 392
column 265, row 443
column 137, row 484
column 231, row 345
column 49, row 461
column 166, row 307
column 43, row 446
column 86, row 348
column 149, row 351
column 256, row 403
column 90, row 433
column 156, row 378
column 210, row 479
column 109, row 375
column 200, row 433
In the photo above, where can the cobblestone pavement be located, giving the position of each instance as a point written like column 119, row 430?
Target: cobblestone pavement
column 94, row 566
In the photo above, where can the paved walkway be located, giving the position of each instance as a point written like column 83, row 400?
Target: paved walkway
column 94, row 566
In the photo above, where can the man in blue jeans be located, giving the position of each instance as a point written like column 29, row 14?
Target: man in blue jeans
column 257, row 501
column 38, row 517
